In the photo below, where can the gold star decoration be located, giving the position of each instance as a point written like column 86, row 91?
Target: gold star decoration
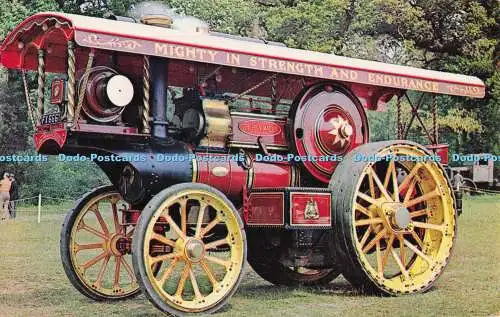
column 338, row 124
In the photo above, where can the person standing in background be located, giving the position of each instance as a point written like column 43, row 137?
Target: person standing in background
column 4, row 195
column 458, row 181
column 14, row 195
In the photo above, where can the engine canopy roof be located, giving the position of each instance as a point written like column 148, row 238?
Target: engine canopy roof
column 52, row 30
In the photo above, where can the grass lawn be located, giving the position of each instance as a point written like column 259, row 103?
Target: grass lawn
column 32, row 281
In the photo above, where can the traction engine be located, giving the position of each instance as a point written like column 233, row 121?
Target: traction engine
column 222, row 150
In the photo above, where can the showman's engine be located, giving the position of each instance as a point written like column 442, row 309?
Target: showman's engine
column 221, row 149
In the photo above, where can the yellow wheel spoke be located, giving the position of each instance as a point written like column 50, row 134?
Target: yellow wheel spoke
column 388, row 173
column 367, row 198
column 201, row 213
column 158, row 237
column 183, row 211
column 118, row 227
column 417, row 238
column 379, row 184
column 160, row 258
column 362, row 209
column 395, row 185
column 209, row 227
column 168, row 271
column 175, row 227
column 215, row 244
column 194, row 283
column 91, row 246
column 430, row 226
column 100, row 275
column 93, row 231
column 209, row 273
column 391, row 174
column 398, row 262
column 182, row 280
column 127, row 267
column 422, row 198
column 101, row 220
column 410, row 189
column 365, row 236
column 410, row 175
column 94, row 260
column 402, row 254
column 418, row 252
column 370, row 183
column 387, row 251
column 116, row 277
column 219, row 261
column 372, row 243
column 418, row 213
column 369, row 221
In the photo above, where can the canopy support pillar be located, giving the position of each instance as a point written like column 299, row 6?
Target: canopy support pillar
column 71, row 82
column 399, row 126
column 41, row 84
column 435, row 131
column 146, row 79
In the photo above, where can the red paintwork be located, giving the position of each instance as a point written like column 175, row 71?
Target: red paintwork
column 57, row 91
column 440, row 150
column 230, row 178
column 247, row 130
column 259, row 127
column 298, row 203
column 274, row 175
column 224, row 175
column 265, row 209
column 131, row 216
column 55, row 132
column 315, row 111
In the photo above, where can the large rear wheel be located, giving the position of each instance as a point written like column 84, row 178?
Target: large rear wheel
column 196, row 236
column 395, row 215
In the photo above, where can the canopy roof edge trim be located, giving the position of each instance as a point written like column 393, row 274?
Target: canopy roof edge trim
column 156, row 41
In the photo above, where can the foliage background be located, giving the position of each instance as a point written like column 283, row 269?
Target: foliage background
column 460, row 36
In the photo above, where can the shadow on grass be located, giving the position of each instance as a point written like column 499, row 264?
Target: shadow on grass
column 268, row 292
column 340, row 287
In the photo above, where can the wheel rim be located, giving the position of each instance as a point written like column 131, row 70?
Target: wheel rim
column 202, row 250
column 100, row 247
column 404, row 225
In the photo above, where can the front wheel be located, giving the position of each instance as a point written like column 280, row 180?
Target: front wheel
column 196, row 236
column 395, row 215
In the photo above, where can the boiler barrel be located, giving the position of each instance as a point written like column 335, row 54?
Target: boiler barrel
column 230, row 177
column 139, row 181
